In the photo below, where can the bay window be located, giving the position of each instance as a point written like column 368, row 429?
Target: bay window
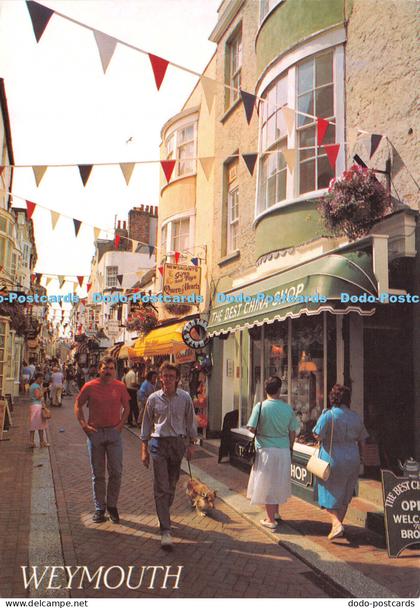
column 181, row 146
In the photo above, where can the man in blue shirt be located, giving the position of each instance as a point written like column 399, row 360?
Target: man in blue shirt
column 147, row 387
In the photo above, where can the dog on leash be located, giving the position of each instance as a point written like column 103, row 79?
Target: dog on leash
column 201, row 497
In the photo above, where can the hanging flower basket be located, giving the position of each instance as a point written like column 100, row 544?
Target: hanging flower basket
column 142, row 320
column 355, row 202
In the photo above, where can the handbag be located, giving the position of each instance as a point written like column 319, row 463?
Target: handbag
column 45, row 413
column 316, row 466
column 249, row 451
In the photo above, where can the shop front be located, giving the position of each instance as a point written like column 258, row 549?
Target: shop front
column 294, row 325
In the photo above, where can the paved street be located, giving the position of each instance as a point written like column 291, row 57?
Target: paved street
column 46, row 520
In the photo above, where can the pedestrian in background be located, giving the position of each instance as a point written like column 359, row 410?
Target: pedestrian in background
column 130, row 380
column 107, row 400
column 169, row 425
column 348, row 436
column 57, row 379
column 37, row 422
column 147, row 387
column 275, row 425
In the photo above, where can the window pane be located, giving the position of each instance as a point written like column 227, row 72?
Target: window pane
column 307, row 140
column 271, row 191
column 324, row 102
column 271, row 101
column 325, row 172
column 330, row 135
column 263, row 184
column 305, row 104
column 281, row 92
column 271, row 130
column 281, row 185
column 307, row 176
column 281, row 127
column 186, row 134
column 324, row 69
column 306, row 76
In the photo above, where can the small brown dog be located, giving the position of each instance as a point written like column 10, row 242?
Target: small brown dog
column 202, row 498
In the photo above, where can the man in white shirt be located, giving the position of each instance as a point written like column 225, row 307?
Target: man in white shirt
column 57, row 379
column 130, row 381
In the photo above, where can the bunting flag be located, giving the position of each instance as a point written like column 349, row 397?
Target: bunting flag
column 33, row 277
column 159, row 66
column 38, row 276
column 117, row 241
column 151, row 250
column 39, row 173
column 120, row 278
column 61, row 280
column 40, row 15
column 96, row 233
column 290, row 157
column 249, row 102
column 54, row 218
column 322, row 126
column 30, row 208
column 106, row 47
column 194, row 261
column 161, row 270
column 85, row 171
column 177, row 255
column 127, row 170
column 139, row 274
column 61, row 306
column 80, row 280
column 2, row 168
column 397, row 162
column 375, row 140
column 332, row 153
column 48, row 281
column 207, row 163
column 289, row 117
column 250, row 160
column 134, row 246
column 77, row 224
column 209, row 87
column 168, row 168
column 88, row 287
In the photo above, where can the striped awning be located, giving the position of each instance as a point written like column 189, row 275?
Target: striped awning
column 82, row 348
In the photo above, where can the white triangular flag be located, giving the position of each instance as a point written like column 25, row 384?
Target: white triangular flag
column 207, row 163
column 39, row 173
column 54, row 218
column 134, row 246
column 127, row 169
column 106, row 47
column 289, row 117
column 209, row 87
column 96, row 233
column 290, row 157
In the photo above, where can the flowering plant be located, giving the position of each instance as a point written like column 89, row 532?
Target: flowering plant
column 355, row 202
column 142, row 319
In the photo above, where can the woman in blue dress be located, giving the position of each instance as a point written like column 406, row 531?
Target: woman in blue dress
column 348, row 437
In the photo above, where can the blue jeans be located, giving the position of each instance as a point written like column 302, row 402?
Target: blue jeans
column 105, row 445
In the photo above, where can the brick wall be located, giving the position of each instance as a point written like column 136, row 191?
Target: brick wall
column 140, row 224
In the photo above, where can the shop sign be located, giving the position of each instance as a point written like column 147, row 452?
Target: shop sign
column 402, row 511
column 181, row 280
column 112, row 328
column 194, row 333
column 300, row 474
column 185, row 356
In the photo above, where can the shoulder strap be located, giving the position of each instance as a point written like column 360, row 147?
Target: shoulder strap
column 332, row 431
column 258, row 420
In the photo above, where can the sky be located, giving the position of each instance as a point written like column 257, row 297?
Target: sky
column 65, row 110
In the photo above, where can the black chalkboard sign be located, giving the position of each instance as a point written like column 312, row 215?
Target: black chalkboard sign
column 402, row 511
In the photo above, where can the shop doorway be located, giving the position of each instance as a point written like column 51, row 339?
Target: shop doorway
column 388, row 386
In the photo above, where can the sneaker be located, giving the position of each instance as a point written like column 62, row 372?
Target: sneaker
column 114, row 515
column 99, row 516
column 337, row 532
column 268, row 524
column 166, row 540
column 278, row 518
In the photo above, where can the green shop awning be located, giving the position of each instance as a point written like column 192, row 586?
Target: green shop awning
column 309, row 284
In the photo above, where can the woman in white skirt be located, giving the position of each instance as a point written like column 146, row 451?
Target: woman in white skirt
column 269, row 482
column 37, row 423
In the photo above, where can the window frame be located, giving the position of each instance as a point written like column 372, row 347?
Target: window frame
column 232, row 223
column 232, row 72
column 172, row 151
column 166, row 230
column 109, row 275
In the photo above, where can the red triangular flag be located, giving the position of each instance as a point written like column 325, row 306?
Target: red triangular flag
column 161, row 270
column 40, row 15
column 117, row 241
column 33, row 277
column 322, row 126
column 80, row 279
column 332, row 153
column 177, row 254
column 248, row 99
column 159, row 66
column 88, row 287
column 30, row 208
column 168, row 168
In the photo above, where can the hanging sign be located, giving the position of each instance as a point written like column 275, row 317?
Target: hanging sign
column 402, row 511
column 112, row 328
column 179, row 280
column 185, row 356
